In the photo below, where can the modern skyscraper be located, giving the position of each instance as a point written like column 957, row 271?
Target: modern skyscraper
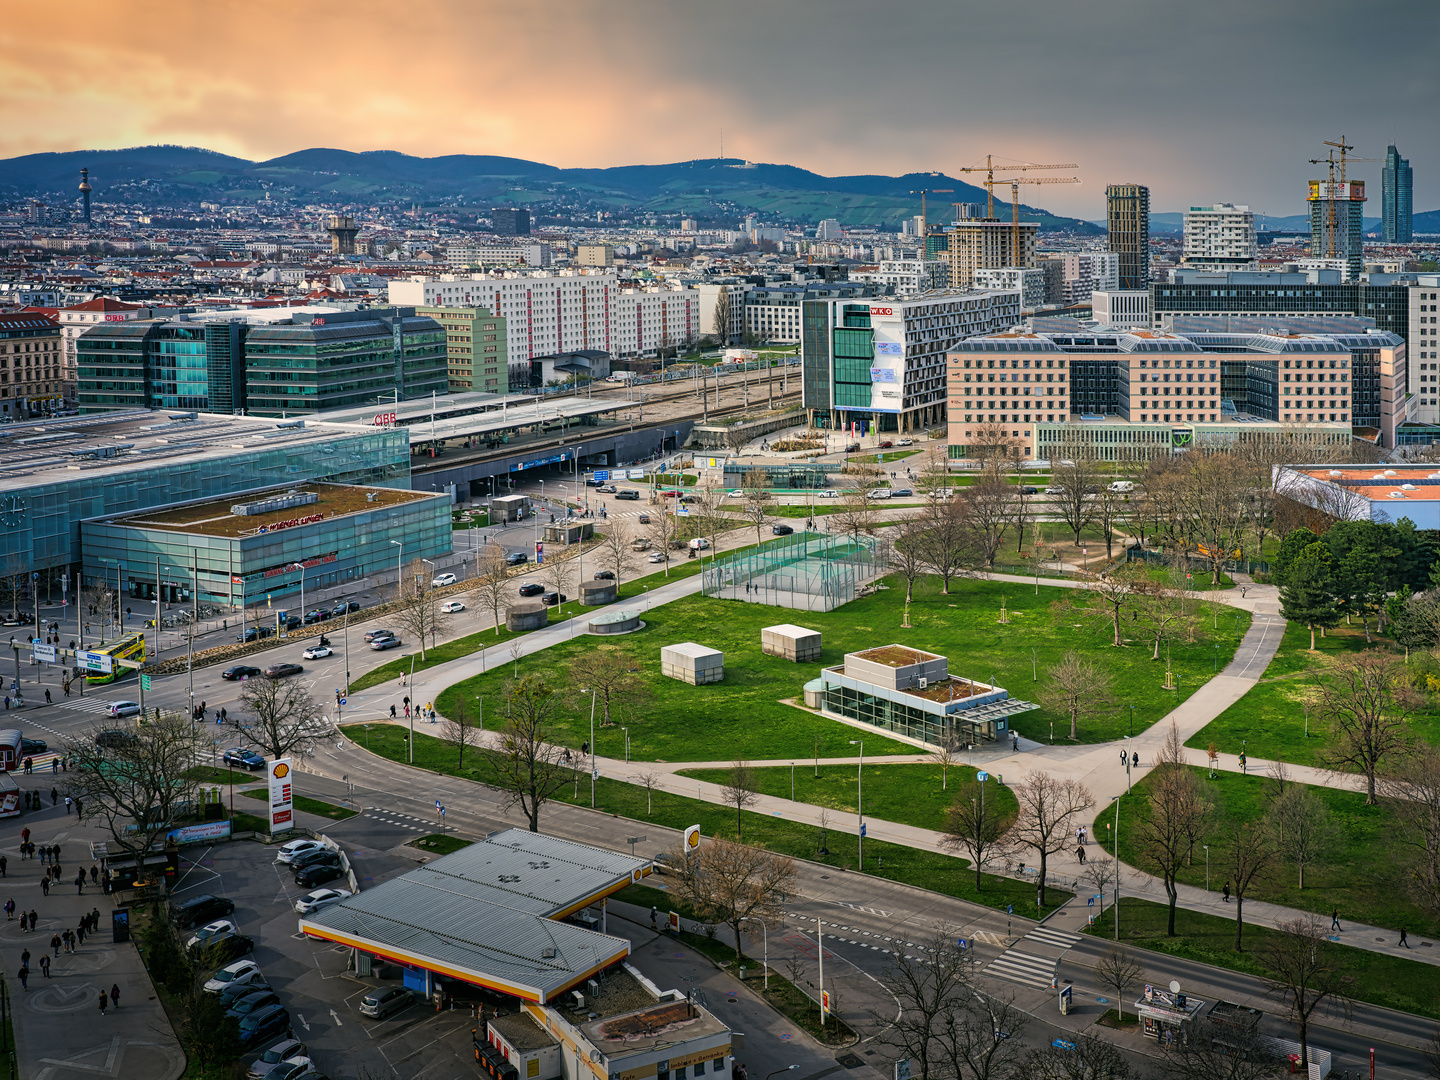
column 1396, row 199
column 510, row 222
column 1128, row 215
column 1336, row 228
column 85, row 193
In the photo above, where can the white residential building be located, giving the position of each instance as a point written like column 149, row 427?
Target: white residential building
column 730, row 310
column 1424, row 348
column 649, row 319
column 908, row 276
column 1029, row 282
column 1121, row 307
column 464, row 255
column 829, row 229
column 1220, row 237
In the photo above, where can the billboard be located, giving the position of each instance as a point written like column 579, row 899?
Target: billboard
column 282, row 797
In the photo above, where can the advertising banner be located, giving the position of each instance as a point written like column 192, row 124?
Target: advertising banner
column 282, row 797
column 199, row 834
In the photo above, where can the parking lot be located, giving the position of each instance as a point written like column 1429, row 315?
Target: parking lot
column 313, row 979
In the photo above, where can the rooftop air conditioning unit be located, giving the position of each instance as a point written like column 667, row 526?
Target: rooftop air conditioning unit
column 578, row 998
column 592, row 986
column 924, row 683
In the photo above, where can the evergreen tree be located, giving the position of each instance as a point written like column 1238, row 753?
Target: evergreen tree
column 1296, row 541
column 1308, row 596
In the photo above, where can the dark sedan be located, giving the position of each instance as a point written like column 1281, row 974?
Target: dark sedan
column 781, row 530
column 341, row 609
column 240, row 671
column 245, row 1004
column 318, row 874
column 553, row 599
column 30, row 747
column 531, row 588
column 246, row 759
column 605, row 575
column 255, row 633
column 371, row 635
column 280, row 671
column 516, row 558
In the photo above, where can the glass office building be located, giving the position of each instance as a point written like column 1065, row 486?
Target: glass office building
column 1397, row 193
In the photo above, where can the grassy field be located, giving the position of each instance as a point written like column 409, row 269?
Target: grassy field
column 441, row 843
column 926, row 869
column 1363, row 873
column 309, row 806
column 1387, row 981
column 907, row 794
column 681, row 722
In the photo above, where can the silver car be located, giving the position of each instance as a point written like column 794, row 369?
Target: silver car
column 379, row 1004
column 265, row 1064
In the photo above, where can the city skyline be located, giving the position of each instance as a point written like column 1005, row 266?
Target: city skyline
column 936, row 86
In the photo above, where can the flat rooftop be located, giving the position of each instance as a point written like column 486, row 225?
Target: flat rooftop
column 656, row 1024
column 214, row 517
column 1391, row 483
column 897, row 656
column 459, row 416
column 113, row 444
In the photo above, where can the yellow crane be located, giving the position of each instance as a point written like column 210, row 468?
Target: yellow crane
column 1015, row 183
column 990, row 168
column 1330, row 161
column 922, row 192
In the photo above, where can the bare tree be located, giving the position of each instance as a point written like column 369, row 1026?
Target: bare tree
column 1049, row 812
column 1180, row 811
column 1412, row 791
column 140, row 785
column 1118, row 970
column 649, row 781
column 528, row 768
column 728, row 882
column 1160, row 607
column 1078, row 476
column 664, row 531
column 1302, row 829
column 489, row 589
column 856, row 513
column 1100, row 873
column 736, row 438
column 559, row 572
column 613, row 674
column 1248, row 853
column 1215, row 1049
column 1305, row 970
column 975, row 826
column 279, row 717
column 1086, row 1058
column 739, row 792
column 946, row 545
column 988, row 510
column 419, row 612
column 907, row 553
column 1117, row 591
column 1077, row 685
column 757, row 500
column 1215, row 487
column 615, row 551
column 460, row 731
column 993, row 446
column 1367, row 698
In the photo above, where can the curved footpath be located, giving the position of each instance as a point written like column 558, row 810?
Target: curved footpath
column 1097, row 766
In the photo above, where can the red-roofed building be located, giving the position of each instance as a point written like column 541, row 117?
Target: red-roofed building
column 30, row 379
column 75, row 320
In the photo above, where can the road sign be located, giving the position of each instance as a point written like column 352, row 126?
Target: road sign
column 601, row 474
column 862, row 828
column 1009, row 909
column 962, row 943
column 44, row 652
column 144, row 682
column 98, row 662
column 982, row 776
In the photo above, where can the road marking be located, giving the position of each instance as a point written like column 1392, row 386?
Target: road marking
column 336, row 1017
column 1061, row 939
column 1035, row 971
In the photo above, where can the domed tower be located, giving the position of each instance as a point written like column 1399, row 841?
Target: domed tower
column 85, row 194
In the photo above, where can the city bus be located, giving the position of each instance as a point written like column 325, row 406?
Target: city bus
column 129, row 647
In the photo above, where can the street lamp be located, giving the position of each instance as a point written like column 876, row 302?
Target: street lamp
column 1132, row 720
column 777, row 1072
column 1127, row 765
column 399, row 568
column 860, row 805
column 1207, row 866
column 626, row 730
column 764, row 937
column 301, row 568
column 1116, row 906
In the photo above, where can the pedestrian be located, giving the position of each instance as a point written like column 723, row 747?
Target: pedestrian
column 1226, row 891
column 105, row 882
column 1335, row 919
column 80, row 882
column 45, row 885
column 1080, row 851
column 653, row 915
column 47, row 695
column 104, row 1000
column 1403, row 940
column 1135, row 759
column 34, row 917
column 55, row 943
column 81, row 929
column 25, row 835
column 2, row 865
column 24, row 972
column 54, row 796
column 392, row 712
column 10, row 910
column 1014, row 743
column 45, row 964
column 94, row 874
column 78, row 808
column 115, row 995
column 25, row 959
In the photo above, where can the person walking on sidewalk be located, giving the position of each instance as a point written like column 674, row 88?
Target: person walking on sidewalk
column 45, row 885
column 104, row 1001
column 55, row 944
column 24, row 976
column 45, row 964
column 25, row 959
column 1080, row 853
column 1335, row 919
column 80, row 882
column 1403, row 940
column 115, row 995
column 1226, row 891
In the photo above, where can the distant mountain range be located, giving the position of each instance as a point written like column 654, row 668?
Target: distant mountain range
column 718, row 190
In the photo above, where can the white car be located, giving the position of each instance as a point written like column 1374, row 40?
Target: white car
column 123, row 708
column 657, row 556
column 314, row 901
column 318, row 652
column 295, row 848
column 699, row 544
column 451, row 606
column 211, row 932
column 906, row 442
column 443, row 579
column 240, row 973
column 736, row 494
column 878, row 493
column 293, row 1069
column 828, row 493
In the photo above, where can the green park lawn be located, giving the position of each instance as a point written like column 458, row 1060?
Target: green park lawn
column 1379, row 979
column 925, row 869
column 747, row 711
column 1363, row 873
column 309, row 805
column 910, row 794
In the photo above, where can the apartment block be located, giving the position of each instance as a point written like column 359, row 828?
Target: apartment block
column 1220, row 237
column 1127, row 210
column 984, row 244
column 30, row 365
column 476, row 350
column 1082, row 272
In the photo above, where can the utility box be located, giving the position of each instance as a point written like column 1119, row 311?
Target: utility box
column 797, row 643
column 692, row 663
column 508, row 508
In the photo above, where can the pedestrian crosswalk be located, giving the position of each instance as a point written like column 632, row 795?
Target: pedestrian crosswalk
column 1027, row 968
column 94, row 706
column 404, row 821
column 1061, row 939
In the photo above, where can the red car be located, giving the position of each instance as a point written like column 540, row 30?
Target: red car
column 671, row 494
column 886, row 445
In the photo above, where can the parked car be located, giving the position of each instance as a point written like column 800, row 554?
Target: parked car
column 371, row 635
column 878, row 493
column 246, row 759
column 318, row 652
column 781, row 530
column 886, row 445
column 210, row 933
column 553, row 599
column 531, row 588
column 123, row 708
column 516, row 558
column 605, row 575
column 264, row 1024
column 628, row 493
column 199, row 910
column 296, row 1068
column 452, row 606
column 115, row 740
column 380, row 644
column 657, row 556
column 225, row 950
column 229, row 995
column 318, row 615
column 608, row 489
column 31, row 747
column 1055, row 489
column 1121, row 487
column 441, row 580
column 309, row 858
column 381, row 1004
column 320, row 898
column 288, row 852
column 258, row 998
column 699, row 544
column 255, row 633
column 281, row 671
column 1028, row 489
column 341, row 609
column 286, row 1049
column 318, row 874
column 901, row 493
column 240, row 973
column 239, row 672
column 905, row 442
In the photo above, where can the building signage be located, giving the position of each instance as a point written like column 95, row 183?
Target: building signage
column 199, row 834
column 882, row 311
column 639, row 474
column 565, row 456
column 291, row 523
column 889, row 348
column 114, row 318
column 384, row 418
column 882, row 374
column 276, row 571
column 43, row 651
column 282, row 799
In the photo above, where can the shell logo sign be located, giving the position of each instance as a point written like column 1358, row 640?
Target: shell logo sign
column 282, row 798
column 692, row 838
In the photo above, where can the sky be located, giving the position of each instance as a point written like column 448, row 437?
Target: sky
column 1223, row 100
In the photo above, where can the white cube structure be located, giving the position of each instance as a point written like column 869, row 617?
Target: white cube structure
column 692, row 663
column 797, row 643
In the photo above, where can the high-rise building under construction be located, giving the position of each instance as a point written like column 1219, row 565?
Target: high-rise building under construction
column 1336, row 226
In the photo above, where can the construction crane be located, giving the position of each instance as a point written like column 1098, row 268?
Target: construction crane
column 989, row 169
column 922, row 192
column 1330, row 161
column 1015, row 183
